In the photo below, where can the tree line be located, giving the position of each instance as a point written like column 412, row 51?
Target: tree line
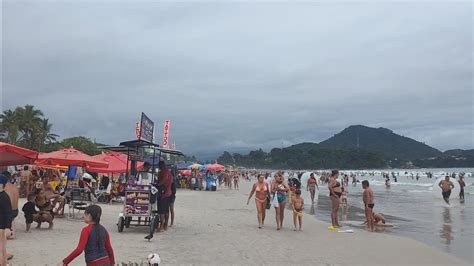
column 29, row 128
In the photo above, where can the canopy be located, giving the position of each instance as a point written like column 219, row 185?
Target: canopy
column 53, row 167
column 117, row 163
column 194, row 166
column 14, row 155
column 68, row 157
column 215, row 167
column 183, row 165
column 185, row 172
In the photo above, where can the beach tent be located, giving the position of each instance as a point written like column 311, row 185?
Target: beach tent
column 69, row 156
column 215, row 167
column 117, row 163
column 14, row 155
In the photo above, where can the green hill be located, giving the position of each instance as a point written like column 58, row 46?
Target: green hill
column 382, row 141
column 356, row 147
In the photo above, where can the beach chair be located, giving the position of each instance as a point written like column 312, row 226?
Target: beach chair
column 79, row 201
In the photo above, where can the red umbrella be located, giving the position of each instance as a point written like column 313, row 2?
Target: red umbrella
column 117, row 163
column 68, row 157
column 14, row 155
column 185, row 172
column 215, row 167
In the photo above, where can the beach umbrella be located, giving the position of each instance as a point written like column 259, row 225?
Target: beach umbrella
column 183, row 165
column 117, row 163
column 69, row 156
column 215, row 167
column 194, row 166
column 14, row 155
column 185, row 172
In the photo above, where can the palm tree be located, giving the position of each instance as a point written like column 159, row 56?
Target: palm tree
column 9, row 129
column 29, row 121
column 44, row 135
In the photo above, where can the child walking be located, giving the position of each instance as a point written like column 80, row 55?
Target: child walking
column 94, row 240
column 298, row 206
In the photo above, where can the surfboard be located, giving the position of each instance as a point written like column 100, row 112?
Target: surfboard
column 346, row 231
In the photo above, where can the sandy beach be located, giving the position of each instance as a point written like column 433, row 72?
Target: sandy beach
column 219, row 228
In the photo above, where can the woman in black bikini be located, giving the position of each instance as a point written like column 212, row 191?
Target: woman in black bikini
column 335, row 193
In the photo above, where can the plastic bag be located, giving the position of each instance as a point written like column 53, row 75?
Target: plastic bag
column 275, row 200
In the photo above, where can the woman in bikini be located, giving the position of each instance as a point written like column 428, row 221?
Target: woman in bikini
column 281, row 190
column 311, row 186
column 335, row 193
column 261, row 191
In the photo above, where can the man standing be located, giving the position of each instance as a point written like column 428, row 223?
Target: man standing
column 12, row 190
column 368, row 199
column 5, row 218
column 462, row 185
column 26, row 177
column 165, row 179
column 446, row 186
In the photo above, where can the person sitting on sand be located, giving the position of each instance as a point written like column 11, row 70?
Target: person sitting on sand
column 262, row 191
column 446, row 186
column 31, row 215
column 94, row 241
column 368, row 199
column 298, row 206
column 53, row 196
column 42, row 202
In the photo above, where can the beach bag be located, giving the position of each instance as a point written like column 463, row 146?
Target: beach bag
column 275, row 201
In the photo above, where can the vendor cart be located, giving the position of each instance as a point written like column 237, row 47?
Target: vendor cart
column 139, row 199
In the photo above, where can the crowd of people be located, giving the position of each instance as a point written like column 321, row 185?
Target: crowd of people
column 277, row 192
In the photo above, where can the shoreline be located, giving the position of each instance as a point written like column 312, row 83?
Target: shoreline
column 219, row 228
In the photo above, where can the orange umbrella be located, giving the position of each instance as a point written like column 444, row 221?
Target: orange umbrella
column 14, row 155
column 69, row 157
column 117, row 163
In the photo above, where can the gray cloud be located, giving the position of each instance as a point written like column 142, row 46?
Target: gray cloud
column 239, row 76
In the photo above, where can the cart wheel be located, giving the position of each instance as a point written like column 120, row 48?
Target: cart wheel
column 128, row 220
column 103, row 199
column 120, row 224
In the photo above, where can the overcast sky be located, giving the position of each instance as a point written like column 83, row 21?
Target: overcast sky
column 240, row 76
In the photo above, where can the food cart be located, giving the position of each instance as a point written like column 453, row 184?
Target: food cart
column 139, row 199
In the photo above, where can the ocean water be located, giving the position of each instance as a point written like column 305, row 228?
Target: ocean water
column 413, row 207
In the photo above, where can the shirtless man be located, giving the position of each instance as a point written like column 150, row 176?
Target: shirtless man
column 25, row 183
column 446, row 186
column 53, row 195
column 368, row 199
column 12, row 190
column 298, row 204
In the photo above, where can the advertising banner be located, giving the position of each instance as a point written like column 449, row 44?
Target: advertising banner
column 166, row 130
column 146, row 128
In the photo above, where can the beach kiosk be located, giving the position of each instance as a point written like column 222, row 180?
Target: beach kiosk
column 140, row 196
